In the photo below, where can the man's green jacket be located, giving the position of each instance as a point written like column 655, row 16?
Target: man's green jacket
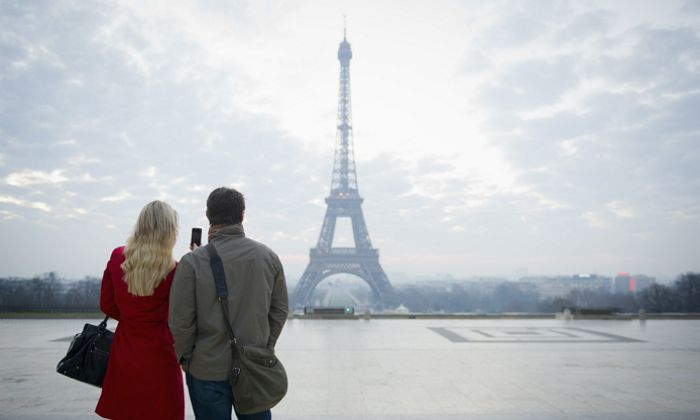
column 258, row 303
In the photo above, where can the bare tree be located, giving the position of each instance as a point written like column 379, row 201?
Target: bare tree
column 658, row 298
column 688, row 291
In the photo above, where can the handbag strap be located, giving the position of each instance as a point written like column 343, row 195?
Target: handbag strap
column 102, row 327
column 217, row 268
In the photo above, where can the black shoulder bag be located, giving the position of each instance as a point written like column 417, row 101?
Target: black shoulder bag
column 88, row 354
column 258, row 379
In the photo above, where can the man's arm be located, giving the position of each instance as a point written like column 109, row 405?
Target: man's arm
column 279, row 305
column 182, row 311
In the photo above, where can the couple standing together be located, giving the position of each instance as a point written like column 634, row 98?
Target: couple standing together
column 170, row 319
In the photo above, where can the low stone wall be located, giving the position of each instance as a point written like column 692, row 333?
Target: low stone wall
column 620, row 316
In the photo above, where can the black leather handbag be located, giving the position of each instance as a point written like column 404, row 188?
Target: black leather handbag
column 88, row 354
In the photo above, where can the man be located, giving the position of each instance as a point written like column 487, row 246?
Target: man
column 257, row 303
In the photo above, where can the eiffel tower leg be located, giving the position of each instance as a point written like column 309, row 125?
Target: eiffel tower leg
column 308, row 282
column 379, row 283
column 325, row 239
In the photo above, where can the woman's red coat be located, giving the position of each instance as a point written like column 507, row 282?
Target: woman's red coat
column 143, row 379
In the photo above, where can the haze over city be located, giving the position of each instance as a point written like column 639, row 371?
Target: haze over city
column 491, row 138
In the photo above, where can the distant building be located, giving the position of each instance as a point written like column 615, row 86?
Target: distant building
column 641, row 282
column 559, row 286
column 623, row 283
column 626, row 283
column 401, row 309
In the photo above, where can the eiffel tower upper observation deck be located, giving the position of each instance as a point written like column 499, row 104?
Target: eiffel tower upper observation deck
column 344, row 201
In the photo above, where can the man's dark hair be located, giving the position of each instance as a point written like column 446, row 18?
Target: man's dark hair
column 225, row 206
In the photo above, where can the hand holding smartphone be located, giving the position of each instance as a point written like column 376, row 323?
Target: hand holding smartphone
column 196, row 238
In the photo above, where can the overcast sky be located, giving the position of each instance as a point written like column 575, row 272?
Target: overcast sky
column 492, row 138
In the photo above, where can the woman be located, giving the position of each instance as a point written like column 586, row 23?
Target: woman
column 143, row 379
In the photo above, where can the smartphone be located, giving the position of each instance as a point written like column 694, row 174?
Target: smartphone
column 196, row 238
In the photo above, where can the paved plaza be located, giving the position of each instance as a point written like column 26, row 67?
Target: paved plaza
column 419, row 369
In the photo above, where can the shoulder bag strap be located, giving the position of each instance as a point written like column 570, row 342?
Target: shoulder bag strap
column 217, row 267
column 103, row 325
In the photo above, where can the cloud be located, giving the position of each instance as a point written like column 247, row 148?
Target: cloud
column 594, row 220
column 516, row 127
column 8, row 215
column 121, row 196
column 24, row 203
column 149, row 172
column 691, row 6
column 600, row 122
column 80, row 160
column 37, row 177
column 531, row 82
column 619, row 210
column 21, row 179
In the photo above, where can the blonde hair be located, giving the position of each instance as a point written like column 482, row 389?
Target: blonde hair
column 149, row 250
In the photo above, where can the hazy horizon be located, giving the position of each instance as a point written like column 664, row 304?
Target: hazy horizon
column 496, row 138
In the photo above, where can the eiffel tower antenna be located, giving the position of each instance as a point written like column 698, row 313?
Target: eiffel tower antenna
column 344, row 201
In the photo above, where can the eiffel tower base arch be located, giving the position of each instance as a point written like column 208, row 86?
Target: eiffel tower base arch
column 323, row 266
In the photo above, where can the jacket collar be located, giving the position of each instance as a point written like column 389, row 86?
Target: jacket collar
column 230, row 230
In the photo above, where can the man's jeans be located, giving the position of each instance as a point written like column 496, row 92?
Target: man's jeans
column 212, row 400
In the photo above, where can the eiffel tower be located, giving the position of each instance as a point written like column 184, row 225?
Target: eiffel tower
column 344, row 201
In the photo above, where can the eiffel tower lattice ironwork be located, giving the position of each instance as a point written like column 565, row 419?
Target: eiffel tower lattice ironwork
column 344, row 201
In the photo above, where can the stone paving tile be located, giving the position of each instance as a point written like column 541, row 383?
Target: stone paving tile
column 403, row 369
